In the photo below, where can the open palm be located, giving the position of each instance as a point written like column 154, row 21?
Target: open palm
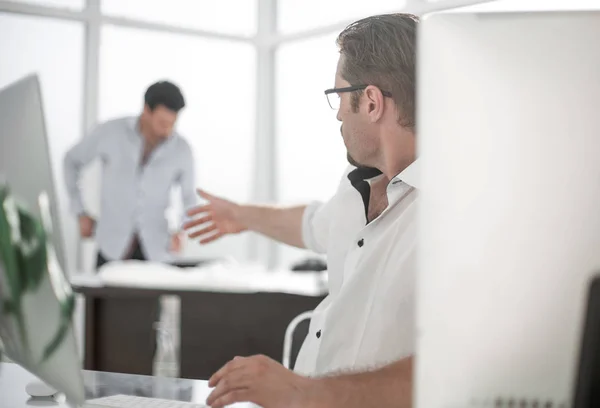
column 214, row 219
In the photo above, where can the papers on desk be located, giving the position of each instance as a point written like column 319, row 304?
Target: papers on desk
column 223, row 276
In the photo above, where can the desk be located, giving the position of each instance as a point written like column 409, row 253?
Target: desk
column 214, row 327
column 13, row 380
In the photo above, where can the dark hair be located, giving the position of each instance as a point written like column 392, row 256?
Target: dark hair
column 164, row 93
column 381, row 51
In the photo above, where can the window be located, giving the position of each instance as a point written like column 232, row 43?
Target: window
column 294, row 15
column 531, row 5
column 225, row 16
column 217, row 79
column 311, row 156
column 71, row 4
column 30, row 45
column 310, row 152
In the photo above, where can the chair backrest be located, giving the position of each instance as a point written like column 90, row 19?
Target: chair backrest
column 294, row 337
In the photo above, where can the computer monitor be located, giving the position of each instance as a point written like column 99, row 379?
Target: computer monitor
column 36, row 299
column 509, row 141
column 25, row 152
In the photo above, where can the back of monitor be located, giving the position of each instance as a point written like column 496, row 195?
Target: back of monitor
column 36, row 301
column 24, row 154
column 509, row 132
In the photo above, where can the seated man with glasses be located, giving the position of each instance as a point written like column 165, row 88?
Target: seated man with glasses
column 361, row 340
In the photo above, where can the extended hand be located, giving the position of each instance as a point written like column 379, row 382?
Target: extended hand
column 218, row 217
column 176, row 244
column 86, row 226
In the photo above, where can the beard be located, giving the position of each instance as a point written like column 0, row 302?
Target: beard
column 352, row 161
column 348, row 156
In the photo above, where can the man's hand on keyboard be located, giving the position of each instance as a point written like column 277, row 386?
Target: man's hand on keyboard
column 260, row 380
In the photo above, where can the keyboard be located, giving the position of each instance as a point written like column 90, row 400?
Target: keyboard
column 127, row 401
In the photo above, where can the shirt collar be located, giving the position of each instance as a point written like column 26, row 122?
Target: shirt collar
column 410, row 175
column 362, row 173
column 134, row 124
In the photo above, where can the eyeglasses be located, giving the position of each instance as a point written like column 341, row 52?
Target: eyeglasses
column 333, row 94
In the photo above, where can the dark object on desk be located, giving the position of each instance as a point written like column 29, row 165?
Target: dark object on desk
column 310, row 265
column 192, row 263
column 139, row 256
column 587, row 386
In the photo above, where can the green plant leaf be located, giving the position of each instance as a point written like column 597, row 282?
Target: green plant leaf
column 9, row 238
column 24, row 260
column 67, row 308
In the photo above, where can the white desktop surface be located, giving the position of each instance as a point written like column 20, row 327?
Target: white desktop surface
column 13, row 380
column 224, row 277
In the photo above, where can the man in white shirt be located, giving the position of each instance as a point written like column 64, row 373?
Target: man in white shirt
column 368, row 231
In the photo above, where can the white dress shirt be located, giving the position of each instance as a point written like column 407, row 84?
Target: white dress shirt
column 368, row 318
column 134, row 197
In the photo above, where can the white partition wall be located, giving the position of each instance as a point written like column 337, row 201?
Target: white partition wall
column 509, row 223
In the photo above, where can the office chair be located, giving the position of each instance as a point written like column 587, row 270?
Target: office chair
column 288, row 340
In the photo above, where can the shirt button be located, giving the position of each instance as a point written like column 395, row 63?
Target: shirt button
column 319, row 334
column 361, row 242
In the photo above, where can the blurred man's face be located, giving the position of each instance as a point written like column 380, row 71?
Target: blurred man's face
column 160, row 121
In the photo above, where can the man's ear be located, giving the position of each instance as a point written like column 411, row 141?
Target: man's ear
column 375, row 102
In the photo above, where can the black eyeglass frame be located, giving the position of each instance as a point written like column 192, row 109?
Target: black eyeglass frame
column 354, row 88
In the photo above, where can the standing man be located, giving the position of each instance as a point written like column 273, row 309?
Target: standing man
column 361, row 341
column 142, row 158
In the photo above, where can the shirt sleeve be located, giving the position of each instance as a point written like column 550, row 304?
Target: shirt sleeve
column 75, row 160
column 315, row 228
column 316, row 220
